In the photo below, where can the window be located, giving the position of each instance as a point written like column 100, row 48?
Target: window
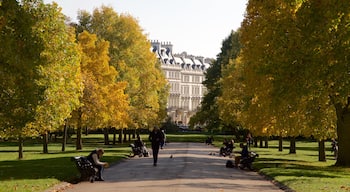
column 186, row 78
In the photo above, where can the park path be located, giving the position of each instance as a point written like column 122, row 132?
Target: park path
column 191, row 169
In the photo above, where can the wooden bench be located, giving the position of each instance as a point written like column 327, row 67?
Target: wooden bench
column 86, row 169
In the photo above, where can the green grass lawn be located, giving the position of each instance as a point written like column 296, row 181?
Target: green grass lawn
column 37, row 171
column 302, row 171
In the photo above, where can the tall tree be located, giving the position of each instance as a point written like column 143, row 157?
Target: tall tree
column 60, row 75
column 326, row 47
column 104, row 102
column 18, row 59
column 289, row 69
column 130, row 55
column 208, row 113
column 40, row 81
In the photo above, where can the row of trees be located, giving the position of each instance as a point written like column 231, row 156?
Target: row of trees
column 291, row 77
column 96, row 73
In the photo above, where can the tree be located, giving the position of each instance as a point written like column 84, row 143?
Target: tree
column 247, row 85
column 60, row 75
column 208, row 113
column 130, row 54
column 17, row 65
column 104, row 102
column 326, row 46
column 40, row 81
column 288, row 69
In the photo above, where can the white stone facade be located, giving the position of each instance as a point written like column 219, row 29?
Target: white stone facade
column 185, row 74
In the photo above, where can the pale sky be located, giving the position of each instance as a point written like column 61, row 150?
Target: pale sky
column 195, row 26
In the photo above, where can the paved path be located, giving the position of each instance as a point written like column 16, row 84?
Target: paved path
column 191, row 169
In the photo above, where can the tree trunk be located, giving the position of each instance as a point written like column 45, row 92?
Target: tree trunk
column 321, row 151
column 121, row 136
column 129, row 136
column 280, row 143
column 45, row 143
column 256, row 142
column 86, row 130
column 79, row 143
column 343, row 133
column 64, row 139
column 266, row 142
column 124, row 135
column 105, row 133
column 114, row 136
column 134, row 134
column 261, row 142
column 292, row 148
column 20, row 148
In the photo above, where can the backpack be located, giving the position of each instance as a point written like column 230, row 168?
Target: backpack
column 229, row 164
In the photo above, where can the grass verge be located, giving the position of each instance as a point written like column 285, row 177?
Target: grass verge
column 38, row 171
column 302, row 171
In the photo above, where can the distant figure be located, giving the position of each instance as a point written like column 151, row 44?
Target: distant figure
column 249, row 140
column 335, row 148
column 228, row 147
column 162, row 143
column 209, row 140
column 244, row 152
column 138, row 142
column 94, row 157
column 231, row 144
column 156, row 137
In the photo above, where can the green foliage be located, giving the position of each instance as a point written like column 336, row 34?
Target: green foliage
column 271, row 88
column 40, row 71
column 60, row 72
column 20, row 51
column 208, row 113
column 292, row 76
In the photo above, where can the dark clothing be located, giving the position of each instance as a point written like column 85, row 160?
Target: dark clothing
column 89, row 157
column 138, row 143
column 245, row 152
column 156, row 137
column 99, row 167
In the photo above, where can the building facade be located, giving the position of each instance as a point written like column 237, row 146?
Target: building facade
column 185, row 74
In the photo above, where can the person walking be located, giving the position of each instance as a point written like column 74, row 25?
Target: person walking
column 162, row 143
column 156, row 138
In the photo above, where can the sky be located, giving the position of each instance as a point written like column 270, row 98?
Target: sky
column 195, row 26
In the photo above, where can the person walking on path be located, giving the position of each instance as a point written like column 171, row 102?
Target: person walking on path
column 156, row 138
column 164, row 139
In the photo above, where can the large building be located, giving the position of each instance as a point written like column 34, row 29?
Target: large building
column 185, row 74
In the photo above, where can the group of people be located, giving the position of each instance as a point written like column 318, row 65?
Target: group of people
column 156, row 137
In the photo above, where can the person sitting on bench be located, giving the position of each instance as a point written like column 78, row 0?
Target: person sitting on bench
column 94, row 157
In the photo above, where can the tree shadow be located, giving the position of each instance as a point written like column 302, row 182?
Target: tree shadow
column 61, row 168
column 295, row 168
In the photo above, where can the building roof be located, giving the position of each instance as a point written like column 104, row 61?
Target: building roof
column 188, row 61
column 178, row 60
column 197, row 62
